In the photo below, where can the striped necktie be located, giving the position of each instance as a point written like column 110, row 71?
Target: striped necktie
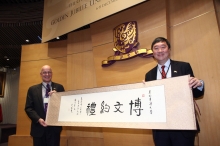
column 163, row 72
column 47, row 96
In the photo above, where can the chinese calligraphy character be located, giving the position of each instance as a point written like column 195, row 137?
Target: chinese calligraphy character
column 81, row 106
column 91, row 109
column 150, row 102
column 71, row 108
column 104, row 108
column 137, row 106
column 117, row 106
column 74, row 105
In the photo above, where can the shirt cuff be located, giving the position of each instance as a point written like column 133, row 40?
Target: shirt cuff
column 201, row 87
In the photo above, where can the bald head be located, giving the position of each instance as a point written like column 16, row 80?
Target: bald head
column 46, row 73
column 45, row 67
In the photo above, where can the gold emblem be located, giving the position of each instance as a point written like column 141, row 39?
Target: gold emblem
column 125, row 36
column 125, row 44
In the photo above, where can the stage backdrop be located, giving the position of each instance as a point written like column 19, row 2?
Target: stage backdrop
column 63, row 16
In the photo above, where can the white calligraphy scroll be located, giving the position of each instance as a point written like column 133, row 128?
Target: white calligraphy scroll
column 135, row 105
column 159, row 104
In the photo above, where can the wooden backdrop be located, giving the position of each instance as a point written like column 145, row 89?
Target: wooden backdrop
column 192, row 26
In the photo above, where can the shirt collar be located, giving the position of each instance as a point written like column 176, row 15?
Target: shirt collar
column 45, row 84
column 166, row 64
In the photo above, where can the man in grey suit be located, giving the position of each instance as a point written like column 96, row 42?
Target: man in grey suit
column 35, row 107
column 167, row 68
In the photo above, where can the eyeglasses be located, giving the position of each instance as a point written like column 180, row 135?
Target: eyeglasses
column 49, row 73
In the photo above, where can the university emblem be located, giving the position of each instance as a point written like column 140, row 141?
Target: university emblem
column 126, row 44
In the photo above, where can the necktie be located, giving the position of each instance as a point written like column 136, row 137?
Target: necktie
column 46, row 96
column 47, row 90
column 163, row 72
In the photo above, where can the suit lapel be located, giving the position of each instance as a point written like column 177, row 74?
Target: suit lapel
column 53, row 86
column 154, row 75
column 174, row 69
column 39, row 94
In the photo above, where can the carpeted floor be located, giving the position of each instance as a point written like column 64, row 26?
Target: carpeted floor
column 5, row 131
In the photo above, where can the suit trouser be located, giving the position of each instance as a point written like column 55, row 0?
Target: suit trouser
column 174, row 137
column 51, row 137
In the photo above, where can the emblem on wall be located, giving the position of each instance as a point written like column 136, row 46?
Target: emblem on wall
column 126, row 44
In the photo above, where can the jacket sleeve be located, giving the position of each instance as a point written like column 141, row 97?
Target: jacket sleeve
column 196, row 92
column 30, row 106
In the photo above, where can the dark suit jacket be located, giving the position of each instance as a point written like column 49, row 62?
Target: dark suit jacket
column 180, row 68
column 35, row 109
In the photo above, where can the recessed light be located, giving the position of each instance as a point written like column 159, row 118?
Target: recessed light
column 27, row 40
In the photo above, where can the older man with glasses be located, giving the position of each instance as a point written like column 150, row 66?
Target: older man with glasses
column 36, row 108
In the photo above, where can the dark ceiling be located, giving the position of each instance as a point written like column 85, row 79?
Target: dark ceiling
column 20, row 20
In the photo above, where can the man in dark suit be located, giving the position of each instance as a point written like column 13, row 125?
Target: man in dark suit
column 161, row 51
column 36, row 104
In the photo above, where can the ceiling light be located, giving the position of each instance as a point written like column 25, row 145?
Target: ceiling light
column 58, row 38
column 27, row 40
column 7, row 58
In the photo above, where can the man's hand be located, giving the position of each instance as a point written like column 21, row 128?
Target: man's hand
column 51, row 92
column 194, row 82
column 42, row 122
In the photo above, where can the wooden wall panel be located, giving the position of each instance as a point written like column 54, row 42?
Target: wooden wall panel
column 20, row 140
column 79, row 41
column 149, row 15
column 57, row 49
column 30, row 75
column 151, row 19
column 121, row 72
column 127, row 137
column 196, row 40
column 217, row 11
column 80, row 67
column 84, row 132
column 184, row 10
column 85, row 141
column 26, row 140
column 80, row 72
column 80, row 75
column 35, row 52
